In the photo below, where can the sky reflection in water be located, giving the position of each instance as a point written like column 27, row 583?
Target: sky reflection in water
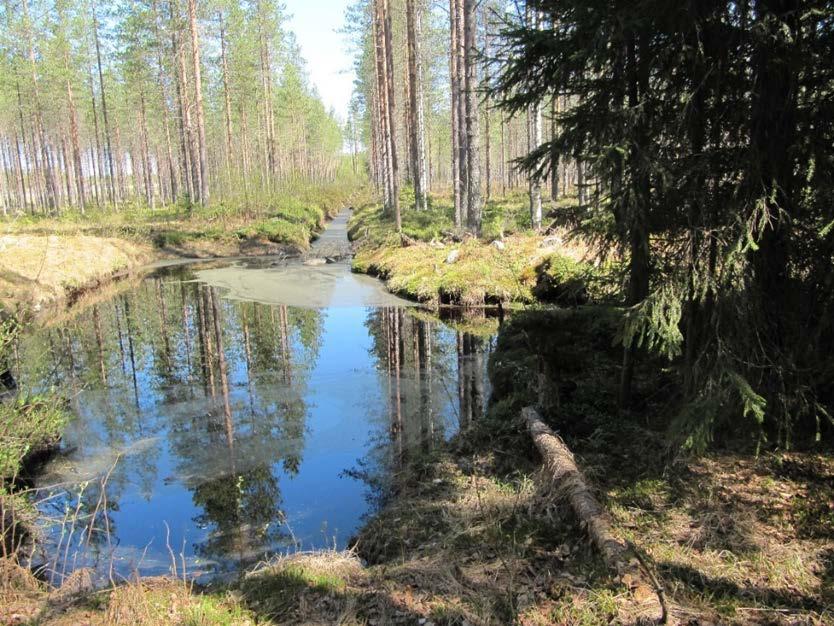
column 229, row 429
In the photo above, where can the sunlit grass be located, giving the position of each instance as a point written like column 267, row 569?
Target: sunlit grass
column 27, row 425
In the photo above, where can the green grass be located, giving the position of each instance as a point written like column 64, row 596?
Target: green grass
column 208, row 610
column 27, row 425
column 291, row 215
column 501, row 217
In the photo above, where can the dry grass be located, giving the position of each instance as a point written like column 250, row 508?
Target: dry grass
column 21, row 594
column 37, row 269
column 156, row 601
column 728, row 537
column 463, row 546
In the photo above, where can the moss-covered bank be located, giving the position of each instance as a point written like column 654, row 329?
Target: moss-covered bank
column 510, row 263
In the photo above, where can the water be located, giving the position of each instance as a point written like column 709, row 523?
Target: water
column 228, row 411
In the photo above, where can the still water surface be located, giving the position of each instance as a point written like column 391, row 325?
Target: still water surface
column 228, row 411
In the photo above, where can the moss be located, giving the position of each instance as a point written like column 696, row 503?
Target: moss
column 481, row 274
column 484, row 272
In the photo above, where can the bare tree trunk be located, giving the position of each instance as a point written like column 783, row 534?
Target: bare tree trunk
column 74, row 141
column 463, row 108
column 381, row 108
column 244, row 132
column 19, row 164
column 146, row 164
column 35, row 159
column 503, row 167
column 418, row 124
column 487, row 112
column 454, row 73
column 190, row 159
column 554, row 153
column 563, row 472
column 534, row 128
column 8, row 169
column 392, row 111
column 473, row 165
column 166, row 113
column 66, row 169
column 198, row 101
column 534, row 140
column 266, row 84
column 227, row 102
column 109, row 155
column 51, row 191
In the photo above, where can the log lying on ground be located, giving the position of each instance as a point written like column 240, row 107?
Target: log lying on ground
column 562, row 470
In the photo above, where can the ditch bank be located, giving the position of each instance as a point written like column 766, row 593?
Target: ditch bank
column 40, row 272
column 432, row 264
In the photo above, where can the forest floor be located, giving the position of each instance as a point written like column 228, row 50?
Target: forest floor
column 45, row 260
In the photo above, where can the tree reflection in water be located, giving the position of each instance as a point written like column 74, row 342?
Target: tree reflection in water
column 225, row 428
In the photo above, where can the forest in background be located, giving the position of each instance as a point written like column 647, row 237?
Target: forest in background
column 689, row 146
column 156, row 103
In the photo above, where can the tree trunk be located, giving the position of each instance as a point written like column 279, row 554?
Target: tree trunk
column 473, row 158
column 381, row 108
column 227, row 102
column 191, row 170
column 418, row 123
column 463, row 137
column 639, row 260
column 392, row 111
column 568, row 479
column 74, row 142
column 51, row 190
column 105, row 118
column 198, row 101
column 554, row 153
column 534, row 140
column 146, row 164
column 65, row 167
column 454, row 74
column 166, row 113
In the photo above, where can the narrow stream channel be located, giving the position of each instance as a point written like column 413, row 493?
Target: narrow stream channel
column 227, row 411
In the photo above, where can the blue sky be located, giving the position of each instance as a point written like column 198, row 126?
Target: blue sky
column 329, row 64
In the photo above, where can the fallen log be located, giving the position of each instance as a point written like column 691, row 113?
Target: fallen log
column 594, row 519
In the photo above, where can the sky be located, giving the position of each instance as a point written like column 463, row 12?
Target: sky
column 329, row 64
